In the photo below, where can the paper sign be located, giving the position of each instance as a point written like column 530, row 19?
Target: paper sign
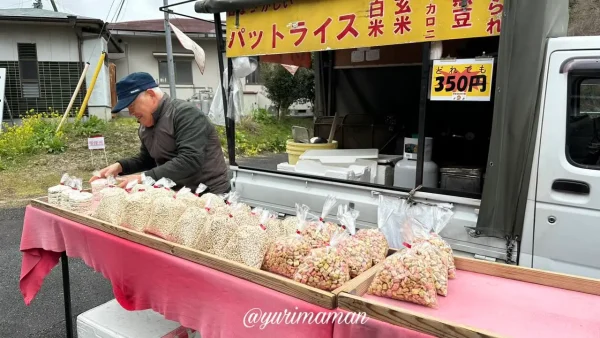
column 95, row 143
column 349, row 24
column 462, row 80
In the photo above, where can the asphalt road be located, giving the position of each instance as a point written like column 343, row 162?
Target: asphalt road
column 45, row 316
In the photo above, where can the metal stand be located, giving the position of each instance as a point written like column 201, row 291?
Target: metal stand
column 12, row 121
column 423, row 110
column 67, row 294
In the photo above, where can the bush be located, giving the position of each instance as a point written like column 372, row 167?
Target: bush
column 263, row 116
column 284, row 89
column 37, row 134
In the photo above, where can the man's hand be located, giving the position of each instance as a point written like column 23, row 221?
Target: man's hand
column 113, row 169
column 124, row 180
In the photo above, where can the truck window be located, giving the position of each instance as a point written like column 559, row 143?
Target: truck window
column 583, row 124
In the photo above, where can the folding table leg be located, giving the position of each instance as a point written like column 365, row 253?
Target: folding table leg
column 67, row 294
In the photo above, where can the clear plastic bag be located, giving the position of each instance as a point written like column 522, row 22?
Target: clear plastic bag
column 137, row 208
column 146, row 184
column 249, row 243
column 285, row 254
column 185, row 195
column 111, row 203
column 391, row 214
column 405, row 276
column 75, row 184
column 162, row 188
column 416, row 236
column 324, row 268
column 54, row 192
column 189, row 227
column 376, row 242
column 216, row 203
column 164, row 215
column 433, row 218
column 351, row 248
column 319, row 232
column 80, row 202
column 98, row 184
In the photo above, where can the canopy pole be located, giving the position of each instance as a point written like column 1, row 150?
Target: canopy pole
column 425, row 68
column 221, row 51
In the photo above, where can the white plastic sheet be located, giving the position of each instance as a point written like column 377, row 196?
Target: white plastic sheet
column 242, row 67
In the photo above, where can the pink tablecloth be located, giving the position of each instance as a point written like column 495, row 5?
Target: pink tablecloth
column 501, row 306
column 198, row 297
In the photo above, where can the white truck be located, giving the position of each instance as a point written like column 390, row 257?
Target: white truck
column 561, row 220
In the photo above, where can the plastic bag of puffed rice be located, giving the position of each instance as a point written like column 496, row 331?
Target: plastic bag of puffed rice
column 405, row 276
column 318, row 231
column 54, row 193
column 355, row 251
column 249, row 243
column 189, row 227
column 164, row 215
column 324, row 268
column 137, row 208
column 285, row 254
column 111, row 203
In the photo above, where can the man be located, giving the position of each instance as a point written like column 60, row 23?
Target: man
column 178, row 140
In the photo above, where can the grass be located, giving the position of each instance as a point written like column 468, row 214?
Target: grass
column 32, row 158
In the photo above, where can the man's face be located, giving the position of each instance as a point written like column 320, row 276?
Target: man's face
column 143, row 106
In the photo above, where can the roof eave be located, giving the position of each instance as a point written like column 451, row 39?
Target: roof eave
column 59, row 20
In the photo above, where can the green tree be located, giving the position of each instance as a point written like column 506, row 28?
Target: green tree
column 284, row 89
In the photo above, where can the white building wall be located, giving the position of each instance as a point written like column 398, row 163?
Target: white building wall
column 54, row 43
column 100, row 103
column 139, row 58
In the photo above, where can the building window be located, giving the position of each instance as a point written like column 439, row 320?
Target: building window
column 254, row 78
column 583, row 127
column 28, row 68
column 183, row 72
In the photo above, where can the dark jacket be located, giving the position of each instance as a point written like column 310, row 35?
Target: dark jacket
column 183, row 145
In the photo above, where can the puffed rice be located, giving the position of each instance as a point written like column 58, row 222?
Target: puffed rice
column 376, row 242
column 405, row 276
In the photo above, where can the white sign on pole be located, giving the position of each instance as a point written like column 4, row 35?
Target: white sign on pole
column 96, row 143
column 2, row 84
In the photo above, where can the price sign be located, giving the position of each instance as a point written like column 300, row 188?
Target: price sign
column 461, row 80
column 96, row 143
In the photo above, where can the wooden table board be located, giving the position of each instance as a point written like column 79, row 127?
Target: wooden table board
column 273, row 281
column 351, row 298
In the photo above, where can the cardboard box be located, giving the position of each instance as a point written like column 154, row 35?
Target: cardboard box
column 110, row 320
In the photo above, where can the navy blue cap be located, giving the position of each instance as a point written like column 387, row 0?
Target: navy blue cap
column 129, row 87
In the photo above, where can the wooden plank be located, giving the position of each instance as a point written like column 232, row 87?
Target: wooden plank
column 267, row 279
column 408, row 319
column 350, row 299
column 523, row 274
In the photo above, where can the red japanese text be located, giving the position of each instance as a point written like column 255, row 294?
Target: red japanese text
column 462, row 14
column 494, row 25
column 349, row 29
column 322, row 30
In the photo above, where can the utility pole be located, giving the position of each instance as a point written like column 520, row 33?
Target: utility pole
column 170, row 64
column 54, row 5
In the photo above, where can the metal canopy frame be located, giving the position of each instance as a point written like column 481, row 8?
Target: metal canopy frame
column 229, row 121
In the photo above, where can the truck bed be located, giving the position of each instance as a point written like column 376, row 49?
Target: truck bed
column 280, row 191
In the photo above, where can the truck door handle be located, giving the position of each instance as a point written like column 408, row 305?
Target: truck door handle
column 570, row 186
